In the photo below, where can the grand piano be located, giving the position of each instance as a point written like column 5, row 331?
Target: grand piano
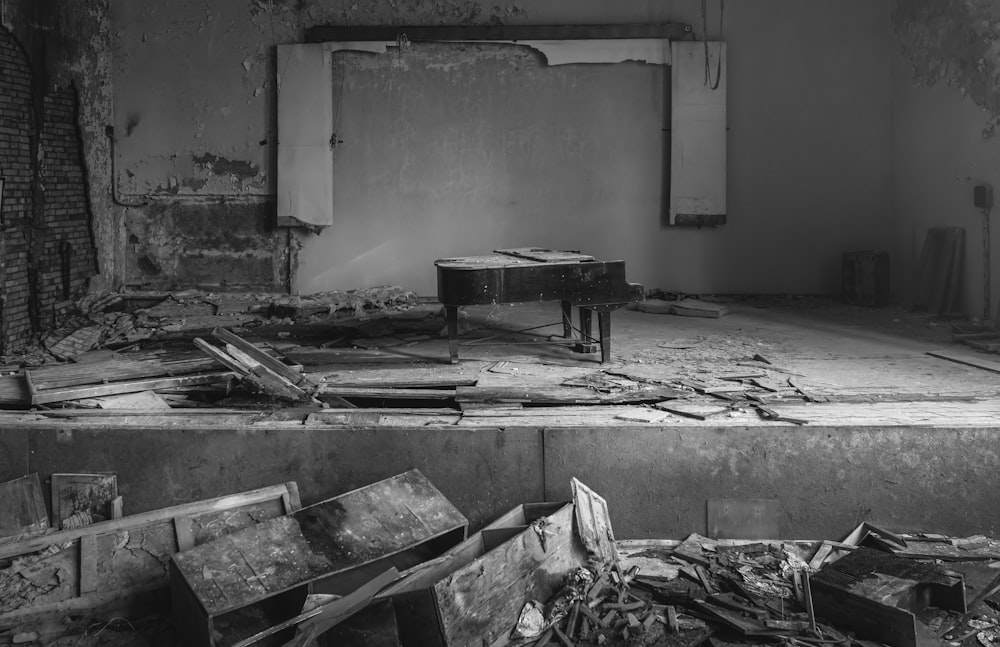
column 536, row 274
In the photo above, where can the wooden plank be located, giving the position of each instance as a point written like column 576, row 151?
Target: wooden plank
column 113, row 388
column 389, row 394
column 696, row 308
column 317, row 621
column 22, row 507
column 743, row 518
column 338, row 34
column 58, row 376
column 593, row 522
column 441, row 376
column 477, row 603
column 564, row 395
column 271, row 363
column 88, row 564
column 184, row 534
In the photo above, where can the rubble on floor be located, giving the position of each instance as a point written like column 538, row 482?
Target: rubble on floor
column 240, row 568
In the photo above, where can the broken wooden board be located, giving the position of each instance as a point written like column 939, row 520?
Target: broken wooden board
column 90, row 494
column 593, row 522
column 696, row 308
column 58, row 376
column 634, row 414
column 113, row 388
column 402, row 377
column 257, row 377
column 325, row 545
column 472, row 594
column 384, row 393
column 108, row 567
column 743, row 518
column 320, row 619
column 565, row 395
column 876, row 594
column 695, row 410
column 22, row 507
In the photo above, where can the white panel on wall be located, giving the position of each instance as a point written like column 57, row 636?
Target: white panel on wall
column 305, row 127
column 698, row 132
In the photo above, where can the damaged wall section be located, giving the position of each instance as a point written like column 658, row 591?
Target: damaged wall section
column 48, row 253
column 63, row 254
column 215, row 245
column 16, row 130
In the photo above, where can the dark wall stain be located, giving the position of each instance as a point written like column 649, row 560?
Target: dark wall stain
column 221, row 166
column 225, row 244
column 954, row 42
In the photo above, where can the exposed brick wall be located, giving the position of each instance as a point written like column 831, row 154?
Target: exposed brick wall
column 16, row 129
column 47, row 251
column 64, row 247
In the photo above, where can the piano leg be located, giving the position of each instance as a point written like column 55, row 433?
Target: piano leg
column 451, row 315
column 567, row 319
column 604, row 330
column 586, row 343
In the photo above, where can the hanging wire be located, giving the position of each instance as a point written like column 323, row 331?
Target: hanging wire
column 714, row 85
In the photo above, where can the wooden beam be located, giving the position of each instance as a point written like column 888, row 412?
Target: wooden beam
column 413, row 33
column 114, row 388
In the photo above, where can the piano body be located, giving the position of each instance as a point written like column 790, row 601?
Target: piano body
column 535, row 274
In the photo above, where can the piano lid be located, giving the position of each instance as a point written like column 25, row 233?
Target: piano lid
column 518, row 256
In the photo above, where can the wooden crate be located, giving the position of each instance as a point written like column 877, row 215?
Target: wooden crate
column 230, row 589
column 473, row 594
column 117, row 566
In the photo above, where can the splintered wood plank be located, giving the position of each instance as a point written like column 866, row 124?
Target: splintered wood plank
column 387, row 393
column 479, row 602
column 465, row 374
column 22, row 506
column 743, row 518
column 564, row 395
column 58, row 376
column 593, row 522
column 113, row 388
column 356, row 528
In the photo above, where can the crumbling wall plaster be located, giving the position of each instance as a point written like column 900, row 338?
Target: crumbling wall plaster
column 956, row 42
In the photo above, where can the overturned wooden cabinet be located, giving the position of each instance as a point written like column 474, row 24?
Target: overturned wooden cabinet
column 119, row 566
column 230, row 589
column 473, row 594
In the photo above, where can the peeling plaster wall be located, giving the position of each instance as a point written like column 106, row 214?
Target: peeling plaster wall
column 809, row 145
column 946, row 108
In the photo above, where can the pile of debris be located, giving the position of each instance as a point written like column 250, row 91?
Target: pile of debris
column 256, row 568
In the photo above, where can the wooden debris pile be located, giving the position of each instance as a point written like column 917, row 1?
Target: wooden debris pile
column 603, row 606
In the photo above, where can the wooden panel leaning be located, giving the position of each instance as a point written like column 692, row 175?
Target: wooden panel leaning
column 119, row 566
column 473, row 594
column 230, row 589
